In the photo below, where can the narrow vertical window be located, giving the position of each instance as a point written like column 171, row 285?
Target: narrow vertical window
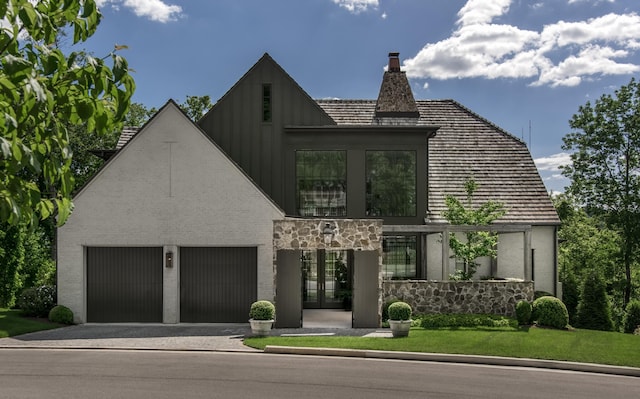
column 266, row 102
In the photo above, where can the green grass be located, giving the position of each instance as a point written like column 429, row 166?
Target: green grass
column 538, row 343
column 13, row 323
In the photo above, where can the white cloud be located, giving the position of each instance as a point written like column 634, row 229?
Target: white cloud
column 560, row 54
column 155, row 10
column 553, row 162
column 357, row 6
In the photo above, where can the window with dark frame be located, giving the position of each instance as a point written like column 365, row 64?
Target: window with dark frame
column 399, row 254
column 391, row 183
column 321, row 183
column 266, row 102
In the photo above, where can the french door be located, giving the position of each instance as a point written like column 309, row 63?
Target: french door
column 326, row 279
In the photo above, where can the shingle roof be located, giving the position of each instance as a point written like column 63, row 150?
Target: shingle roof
column 127, row 133
column 468, row 145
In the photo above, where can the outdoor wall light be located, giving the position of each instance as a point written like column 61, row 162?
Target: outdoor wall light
column 328, row 232
column 168, row 259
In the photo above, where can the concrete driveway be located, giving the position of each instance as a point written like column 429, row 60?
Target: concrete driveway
column 221, row 337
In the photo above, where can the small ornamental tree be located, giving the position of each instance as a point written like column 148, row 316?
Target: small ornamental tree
column 476, row 243
column 594, row 311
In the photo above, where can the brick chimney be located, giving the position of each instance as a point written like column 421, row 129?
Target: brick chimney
column 394, row 62
column 395, row 104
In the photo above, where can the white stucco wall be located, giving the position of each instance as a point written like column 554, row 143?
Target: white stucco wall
column 543, row 241
column 170, row 186
column 510, row 261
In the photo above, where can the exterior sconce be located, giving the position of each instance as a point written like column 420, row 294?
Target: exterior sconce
column 328, row 232
column 168, row 259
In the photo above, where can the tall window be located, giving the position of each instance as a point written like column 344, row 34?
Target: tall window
column 321, row 183
column 266, row 102
column 391, row 183
column 399, row 257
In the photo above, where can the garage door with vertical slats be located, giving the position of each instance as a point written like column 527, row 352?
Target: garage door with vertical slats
column 217, row 284
column 124, row 284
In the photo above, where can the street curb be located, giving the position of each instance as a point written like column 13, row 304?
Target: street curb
column 450, row 358
column 131, row 348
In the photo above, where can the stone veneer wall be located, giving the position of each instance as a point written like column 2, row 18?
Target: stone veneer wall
column 358, row 234
column 493, row 297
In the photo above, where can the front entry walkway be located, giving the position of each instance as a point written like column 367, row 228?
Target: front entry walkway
column 326, row 318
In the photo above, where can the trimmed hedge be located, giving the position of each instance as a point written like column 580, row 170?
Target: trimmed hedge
column 465, row 320
column 523, row 312
column 550, row 311
column 61, row 314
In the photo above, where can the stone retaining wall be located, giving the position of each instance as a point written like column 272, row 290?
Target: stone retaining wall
column 493, row 297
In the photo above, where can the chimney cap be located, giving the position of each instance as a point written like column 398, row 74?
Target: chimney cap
column 394, row 62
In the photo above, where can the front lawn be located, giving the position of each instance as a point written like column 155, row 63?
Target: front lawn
column 527, row 342
column 13, row 323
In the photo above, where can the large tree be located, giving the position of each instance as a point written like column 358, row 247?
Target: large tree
column 605, row 168
column 43, row 91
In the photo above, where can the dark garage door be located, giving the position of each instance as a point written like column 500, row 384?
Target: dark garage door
column 124, row 284
column 217, row 285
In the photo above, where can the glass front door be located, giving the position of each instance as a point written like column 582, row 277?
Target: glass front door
column 326, row 279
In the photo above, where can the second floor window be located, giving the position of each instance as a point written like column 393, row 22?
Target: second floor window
column 391, row 183
column 321, row 183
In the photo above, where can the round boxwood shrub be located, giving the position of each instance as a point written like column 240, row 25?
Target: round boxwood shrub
column 523, row 312
column 399, row 311
column 632, row 316
column 385, row 308
column 262, row 310
column 37, row 301
column 61, row 314
column 550, row 311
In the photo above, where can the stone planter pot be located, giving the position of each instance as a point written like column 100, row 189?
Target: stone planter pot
column 261, row 327
column 400, row 328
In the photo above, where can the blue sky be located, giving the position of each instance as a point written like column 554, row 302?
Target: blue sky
column 524, row 65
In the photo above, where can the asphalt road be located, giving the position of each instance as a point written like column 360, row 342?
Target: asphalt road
column 94, row 374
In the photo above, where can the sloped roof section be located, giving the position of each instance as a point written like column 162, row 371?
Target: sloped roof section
column 127, row 133
column 467, row 145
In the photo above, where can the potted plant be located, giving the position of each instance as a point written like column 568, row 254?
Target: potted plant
column 261, row 317
column 399, row 318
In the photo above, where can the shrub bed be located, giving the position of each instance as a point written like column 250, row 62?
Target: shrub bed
column 37, row 301
column 465, row 320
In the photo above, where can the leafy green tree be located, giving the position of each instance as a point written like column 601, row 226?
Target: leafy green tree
column 39, row 268
column 138, row 115
column 196, row 106
column 587, row 244
column 476, row 243
column 605, row 169
column 42, row 92
column 12, row 261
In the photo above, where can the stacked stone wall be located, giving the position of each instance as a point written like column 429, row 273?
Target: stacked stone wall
column 485, row 297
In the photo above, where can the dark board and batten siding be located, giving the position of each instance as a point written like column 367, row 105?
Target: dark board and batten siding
column 217, row 284
column 124, row 284
column 235, row 123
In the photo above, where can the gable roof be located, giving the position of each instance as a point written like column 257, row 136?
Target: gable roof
column 268, row 61
column 129, row 134
column 467, row 145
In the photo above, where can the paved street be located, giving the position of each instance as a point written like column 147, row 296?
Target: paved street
column 96, row 374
